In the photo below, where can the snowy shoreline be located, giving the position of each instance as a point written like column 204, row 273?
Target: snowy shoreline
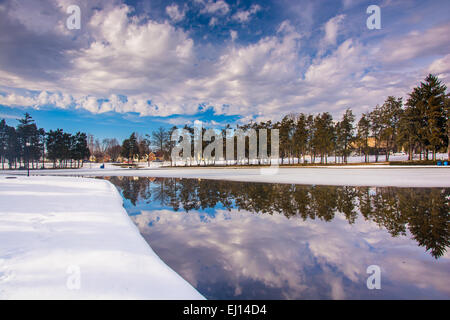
column 370, row 175
column 71, row 238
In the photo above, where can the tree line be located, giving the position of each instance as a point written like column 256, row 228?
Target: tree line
column 420, row 125
column 28, row 146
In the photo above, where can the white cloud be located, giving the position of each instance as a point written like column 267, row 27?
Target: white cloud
column 213, row 21
column 331, row 29
column 441, row 67
column 15, row 100
column 229, row 247
column 131, row 58
column 245, row 15
column 157, row 66
column 434, row 41
column 215, row 7
column 233, row 35
column 286, row 27
column 174, row 13
column 35, row 101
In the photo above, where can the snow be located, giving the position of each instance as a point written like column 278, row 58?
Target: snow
column 369, row 175
column 70, row 238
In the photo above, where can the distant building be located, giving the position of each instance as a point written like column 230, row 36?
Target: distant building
column 159, row 155
column 370, row 143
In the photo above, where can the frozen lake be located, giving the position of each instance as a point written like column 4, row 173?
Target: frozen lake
column 242, row 240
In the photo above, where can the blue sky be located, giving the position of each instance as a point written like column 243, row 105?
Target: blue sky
column 138, row 65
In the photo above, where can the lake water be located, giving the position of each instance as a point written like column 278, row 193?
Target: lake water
column 239, row 240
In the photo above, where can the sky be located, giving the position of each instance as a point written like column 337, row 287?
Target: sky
column 138, row 65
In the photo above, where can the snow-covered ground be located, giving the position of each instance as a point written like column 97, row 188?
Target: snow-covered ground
column 70, row 238
column 370, row 175
column 353, row 159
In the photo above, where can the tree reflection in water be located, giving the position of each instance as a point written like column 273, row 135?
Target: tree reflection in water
column 424, row 212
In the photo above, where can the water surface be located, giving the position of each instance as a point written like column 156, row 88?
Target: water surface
column 238, row 240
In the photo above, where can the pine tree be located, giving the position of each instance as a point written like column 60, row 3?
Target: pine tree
column 363, row 135
column 346, row 133
column 323, row 135
column 376, row 124
column 13, row 147
column 79, row 148
column 3, row 142
column 447, row 116
column 130, row 147
column 301, row 136
column 311, row 133
column 434, row 96
column 286, row 127
column 428, row 104
column 391, row 112
column 28, row 135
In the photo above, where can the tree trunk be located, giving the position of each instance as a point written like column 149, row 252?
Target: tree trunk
column 387, row 152
column 376, row 150
column 448, row 142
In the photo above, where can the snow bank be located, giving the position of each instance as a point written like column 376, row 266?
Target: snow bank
column 70, row 238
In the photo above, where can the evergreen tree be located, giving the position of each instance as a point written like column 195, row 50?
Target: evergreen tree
column 301, row 136
column 130, row 147
column 79, row 149
column 346, row 133
column 286, row 127
column 391, row 114
column 408, row 136
column 3, row 141
column 434, row 96
column 13, row 147
column 363, row 135
column 447, row 124
column 428, row 104
column 323, row 135
column 311, row 133
column 54, row 145
column 29, row 138
column 376, row 126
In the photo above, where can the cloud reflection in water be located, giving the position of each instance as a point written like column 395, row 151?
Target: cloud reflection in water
column 215, row 235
